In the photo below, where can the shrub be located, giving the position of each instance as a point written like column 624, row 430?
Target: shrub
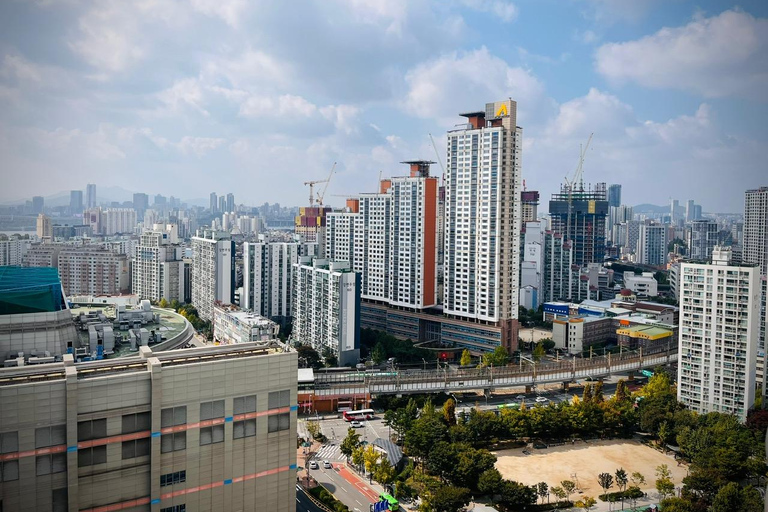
column 613, row 497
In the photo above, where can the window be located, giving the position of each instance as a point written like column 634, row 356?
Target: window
column 246, row 428
column 9, row 442
column 211, row 435
column 52, row 463
column 50, row 436
column 279, row 399
column 137, row 422
column 175, row 508
column 9, row 470
column 173, row 442
column 60, row 500
column 278, row 422
column 92, row 429
column 173, row 416
column 173, row 478
column 91, row 456
column 245, row 404
column 135, row 448
column 211, row 410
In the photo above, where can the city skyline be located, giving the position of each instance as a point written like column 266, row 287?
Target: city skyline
column 253, row 102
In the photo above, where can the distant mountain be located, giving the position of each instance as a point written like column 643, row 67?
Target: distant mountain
column 650, row 208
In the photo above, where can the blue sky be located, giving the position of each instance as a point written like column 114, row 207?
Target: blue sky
column 187, row 97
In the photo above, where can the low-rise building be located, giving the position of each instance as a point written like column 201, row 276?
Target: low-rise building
column 232, row 325
column 575, row 334
column 643, row 285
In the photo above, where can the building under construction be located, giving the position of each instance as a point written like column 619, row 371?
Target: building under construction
column 580, row 215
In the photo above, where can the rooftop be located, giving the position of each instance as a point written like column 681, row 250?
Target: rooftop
column 247, row 317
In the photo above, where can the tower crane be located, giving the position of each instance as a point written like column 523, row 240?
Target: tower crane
column 570, row 184
column 320, row 195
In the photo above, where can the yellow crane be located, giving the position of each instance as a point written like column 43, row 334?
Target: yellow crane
column 320, row 195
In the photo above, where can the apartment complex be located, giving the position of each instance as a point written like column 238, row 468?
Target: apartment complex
column 268, row 277
column 12, row 251
column 232, row 325
column 390, row 238
column 702, row 239
column 213, row 271
column 42, row 255
column 93, row 270
column 482, row 230
column 189, row 430
column 756, row 228
column 44, row 226
column 158, row 268
column 652, row 244
column 719, row 326
column 559, row 271
column 326, row 295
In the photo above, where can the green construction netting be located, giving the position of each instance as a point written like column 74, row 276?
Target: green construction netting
column 30, row 290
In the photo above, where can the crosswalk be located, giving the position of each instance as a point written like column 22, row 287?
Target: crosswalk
column 330, row 452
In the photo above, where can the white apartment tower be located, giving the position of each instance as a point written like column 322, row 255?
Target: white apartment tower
column 390, row 238
column 719, row 323
column 158, row 267
column 755, row 251
column 12, row 251
column 326, row 313
column 652, row 244
column 482, row 232
column 268, row 277
column 213, row 271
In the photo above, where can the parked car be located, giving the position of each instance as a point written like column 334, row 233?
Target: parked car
column 327, row 465
column 356, row 424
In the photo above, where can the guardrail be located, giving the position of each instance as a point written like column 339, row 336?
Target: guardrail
column 433, row 381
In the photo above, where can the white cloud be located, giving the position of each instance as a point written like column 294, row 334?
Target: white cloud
column 501, row 9
column 724, row 55
column 199, row 146
column 442, row 87
column 228, row 10
column 183, row 93
column 108, row 37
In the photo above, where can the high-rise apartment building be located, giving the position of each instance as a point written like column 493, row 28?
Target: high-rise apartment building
column 12, row 251
column 326, row 300
column 214, row 203
column 90, row 196
column 756, row 228
column 719, row 324
column 213, row 271
column 614, row 196
column 702, row 239
column 93, row 270
column 482, row 236
column 209, row 428
column 529, row 212
column 158, row 268
column 580, row 215
column 118, row 220
column 222, row 204
column 390, row 238
column 652, row 244
column 230, row 202
column 140, row 204
column 532, row 264
column 44, row 226
column 617, row 215
column 268, row 277
column 38, row 203
column 76, row 202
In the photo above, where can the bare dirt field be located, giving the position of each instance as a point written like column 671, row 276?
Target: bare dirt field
column 534, row 332
column 586, row 461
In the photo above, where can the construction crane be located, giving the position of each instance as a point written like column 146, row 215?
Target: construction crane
column 320, row 195
column 570, row 184
column 437, row 154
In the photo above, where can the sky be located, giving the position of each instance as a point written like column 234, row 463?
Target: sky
column 188, row 97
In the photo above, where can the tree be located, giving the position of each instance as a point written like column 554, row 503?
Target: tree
column 447, row 498
column 559, row 493
column 449, row 412
column 637, row 478
column 358, row 456
column 587, row 396
column 606, row 481
column 163, row 303
column 538, row 352
column 664, row 485
column 515, row 495
column 384, row 472
column 350, row 443
column 664, row 433
column 309, row 355
column 548, row 344
column 313, row 427
column 489, row 481
column 677, row 505
column 466, row 358
column 622, row 393
column 543, row 490
column 621, row 479
column 379, row 353
column 499, row 357
column 733, row 497
column 586, row 502
column 569, row 486
column 370, row 458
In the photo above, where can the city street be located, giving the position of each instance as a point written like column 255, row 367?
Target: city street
column 303, row 503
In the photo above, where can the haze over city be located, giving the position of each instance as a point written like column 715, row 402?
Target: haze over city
column 165, row 97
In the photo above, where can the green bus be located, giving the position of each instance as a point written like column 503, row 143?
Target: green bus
column 392, row 503
column 511, row 405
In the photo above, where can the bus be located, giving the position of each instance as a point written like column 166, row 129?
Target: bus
column 360, row 414
column 511, row 405
column 386, row 502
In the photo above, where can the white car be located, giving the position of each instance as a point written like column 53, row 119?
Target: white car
column 542, row 399
column 356, row 424
column 313, row 465
column 520, row 397
column 327, row 465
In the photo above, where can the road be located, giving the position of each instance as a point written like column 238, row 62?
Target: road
column 303, row 503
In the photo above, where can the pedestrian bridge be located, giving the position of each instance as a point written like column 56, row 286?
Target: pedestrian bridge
column 490, row 378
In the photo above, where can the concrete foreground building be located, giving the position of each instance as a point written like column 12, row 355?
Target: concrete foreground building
column 719, row 328
column 200, row 429
column 326, row 296
column 213, row 271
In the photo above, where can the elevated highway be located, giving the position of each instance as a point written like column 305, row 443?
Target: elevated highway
column 447, row 380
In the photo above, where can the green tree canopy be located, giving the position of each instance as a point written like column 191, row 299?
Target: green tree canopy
column 466, row 358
